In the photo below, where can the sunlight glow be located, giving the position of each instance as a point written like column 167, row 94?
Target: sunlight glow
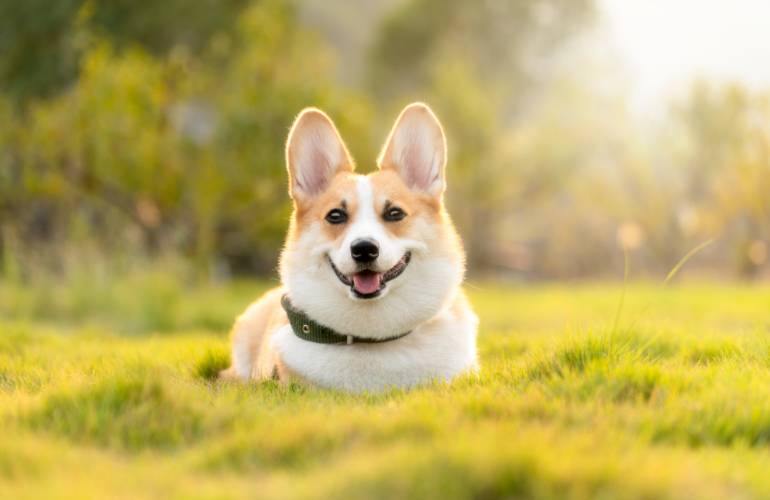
column 664, row 45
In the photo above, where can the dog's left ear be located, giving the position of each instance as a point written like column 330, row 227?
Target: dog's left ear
column 416, row 150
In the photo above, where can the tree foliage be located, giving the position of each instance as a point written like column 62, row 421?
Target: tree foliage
column 179, row 152
column 144, row 128
column 42, row 43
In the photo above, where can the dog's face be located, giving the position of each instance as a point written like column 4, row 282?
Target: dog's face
column 370, row 255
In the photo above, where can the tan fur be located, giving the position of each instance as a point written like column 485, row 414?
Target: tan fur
column 252, row 330
column 308, row 212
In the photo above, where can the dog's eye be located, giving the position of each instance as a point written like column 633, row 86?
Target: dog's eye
column 336, row 216
column 394, row 214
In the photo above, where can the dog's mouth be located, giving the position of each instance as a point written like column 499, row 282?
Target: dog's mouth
column 367, row 283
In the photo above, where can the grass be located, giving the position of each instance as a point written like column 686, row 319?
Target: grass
column 108, row 390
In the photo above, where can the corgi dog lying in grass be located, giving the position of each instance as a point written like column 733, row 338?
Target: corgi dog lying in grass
column 371, row 271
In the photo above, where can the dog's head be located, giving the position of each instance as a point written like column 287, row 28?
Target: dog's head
column 370, row 255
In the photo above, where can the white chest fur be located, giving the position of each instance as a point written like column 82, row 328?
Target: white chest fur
column 438, row 349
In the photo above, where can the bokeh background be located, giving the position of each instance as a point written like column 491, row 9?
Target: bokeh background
column 139, row 133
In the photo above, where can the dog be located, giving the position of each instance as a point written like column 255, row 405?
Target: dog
column 371, row 271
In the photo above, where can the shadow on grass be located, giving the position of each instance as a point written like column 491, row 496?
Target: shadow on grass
column 213, row 362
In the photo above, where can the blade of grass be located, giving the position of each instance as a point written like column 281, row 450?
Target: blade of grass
column 622, row 301
column 686, row 258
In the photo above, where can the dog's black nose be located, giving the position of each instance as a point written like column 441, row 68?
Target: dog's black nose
column 364, row 250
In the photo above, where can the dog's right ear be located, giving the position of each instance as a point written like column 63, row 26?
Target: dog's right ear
column 315, row 153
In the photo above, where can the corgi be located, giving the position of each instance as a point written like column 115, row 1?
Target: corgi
column 371, row 271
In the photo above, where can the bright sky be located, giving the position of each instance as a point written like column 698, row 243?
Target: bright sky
column 664, row 44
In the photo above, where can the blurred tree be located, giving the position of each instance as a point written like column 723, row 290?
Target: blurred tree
column 348, row 27
column 504, row 41
column 143, row 131
column 37, row 49
column 41, row 42
column 162, row 26
column 726, row 158
column 178, row 152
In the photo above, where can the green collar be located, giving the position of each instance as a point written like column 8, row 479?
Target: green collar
column 307, row 329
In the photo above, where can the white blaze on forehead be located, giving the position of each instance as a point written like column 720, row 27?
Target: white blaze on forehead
column 365, row 193
column 366, row 224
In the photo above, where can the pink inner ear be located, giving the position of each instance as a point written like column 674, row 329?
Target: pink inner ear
column 415, row 167
column 317, row 157
column 317, row 174
column 418, row 163
column 413, row 170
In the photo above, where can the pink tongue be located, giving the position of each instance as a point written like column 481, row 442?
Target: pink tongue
column 366, row 282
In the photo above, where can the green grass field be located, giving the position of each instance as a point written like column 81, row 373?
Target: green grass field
column 106, row 391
